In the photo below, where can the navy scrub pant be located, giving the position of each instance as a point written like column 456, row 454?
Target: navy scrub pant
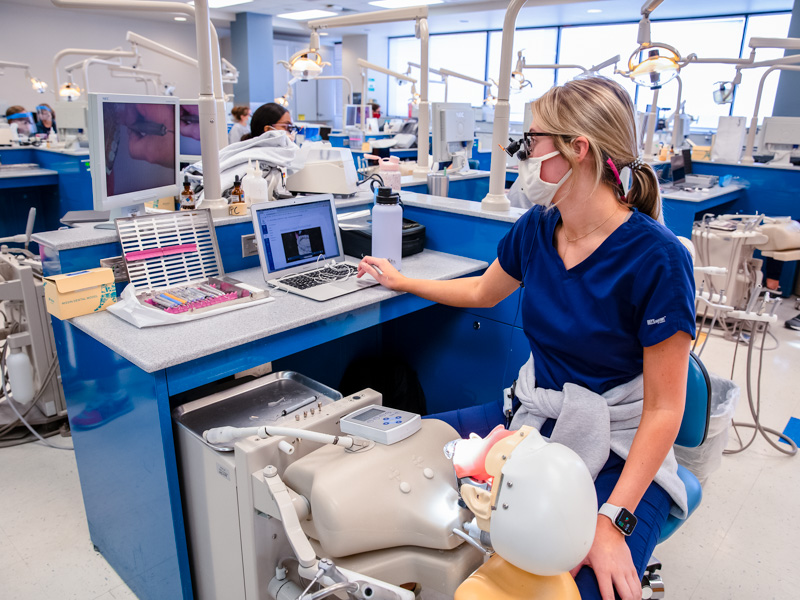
column 651, row 513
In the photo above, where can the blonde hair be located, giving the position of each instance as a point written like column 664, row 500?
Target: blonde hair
column 601, row 111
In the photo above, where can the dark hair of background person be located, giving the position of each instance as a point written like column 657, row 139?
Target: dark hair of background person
column 239, row 111
column 266, row 115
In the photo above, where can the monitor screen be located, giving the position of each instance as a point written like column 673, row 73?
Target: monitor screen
column 190, row 130
column 297, row 234
column 133, row 149
column 352, row 114
column 678, row 169
column 687, row 161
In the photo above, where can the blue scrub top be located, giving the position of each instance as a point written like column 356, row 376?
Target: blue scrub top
column 590, row 324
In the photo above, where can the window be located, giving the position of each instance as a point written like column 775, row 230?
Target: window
column 538, row 47
column 708, row 38
column 463, row 53
column 589, row 46
column 745, row 98
column 401, row 52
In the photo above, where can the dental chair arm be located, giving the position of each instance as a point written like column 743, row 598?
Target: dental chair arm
column 288, row 517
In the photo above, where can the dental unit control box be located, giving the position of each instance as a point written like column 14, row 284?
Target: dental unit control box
column 380, row 424
column 174, row 265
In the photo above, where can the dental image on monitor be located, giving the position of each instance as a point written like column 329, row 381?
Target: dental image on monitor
column 190, row 130
column 139, row 146
column 302, row 244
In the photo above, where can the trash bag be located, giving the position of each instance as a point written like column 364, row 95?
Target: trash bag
column 705, row 459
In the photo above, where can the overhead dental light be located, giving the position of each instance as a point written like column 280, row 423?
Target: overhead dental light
column 70, row 91
column 306, row 64
column 723, row 92
column 652, row 64
column 518, row 81
column 37, row 84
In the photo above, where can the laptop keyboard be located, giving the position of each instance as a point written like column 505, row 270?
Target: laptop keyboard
column 320, row 276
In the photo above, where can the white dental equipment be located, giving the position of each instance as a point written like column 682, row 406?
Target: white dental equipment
column 418, row 14
column 382, row 425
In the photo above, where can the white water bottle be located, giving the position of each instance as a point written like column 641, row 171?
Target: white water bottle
column 387, row 226
column 20, row 376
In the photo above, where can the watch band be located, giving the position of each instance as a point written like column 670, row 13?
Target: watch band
column 621, row 517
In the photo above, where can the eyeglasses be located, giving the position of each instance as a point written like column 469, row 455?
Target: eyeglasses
column 529, row 140
column 286, row 127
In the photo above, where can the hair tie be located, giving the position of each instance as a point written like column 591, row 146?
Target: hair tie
column 636, row 164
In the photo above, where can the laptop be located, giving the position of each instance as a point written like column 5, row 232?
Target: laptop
column 300, row 248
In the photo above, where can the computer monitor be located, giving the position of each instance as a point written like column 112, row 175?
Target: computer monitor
column 687, row 161
column 133, row 149
column 781, row 137
column 453, row 133
column 352, row 114
column 189, row 143
column 678, row 164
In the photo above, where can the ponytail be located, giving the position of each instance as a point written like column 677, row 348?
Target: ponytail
column 644, row 194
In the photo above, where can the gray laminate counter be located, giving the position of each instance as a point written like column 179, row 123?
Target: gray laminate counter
column 157, row 348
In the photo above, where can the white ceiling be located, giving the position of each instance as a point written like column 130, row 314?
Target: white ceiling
column 469, row 15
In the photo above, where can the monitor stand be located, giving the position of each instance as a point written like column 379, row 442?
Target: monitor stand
column 120, row 212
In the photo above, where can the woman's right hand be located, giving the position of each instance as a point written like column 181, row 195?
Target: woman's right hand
column 382, row 271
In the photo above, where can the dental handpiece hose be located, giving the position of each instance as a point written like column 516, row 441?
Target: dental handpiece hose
column 225, row 435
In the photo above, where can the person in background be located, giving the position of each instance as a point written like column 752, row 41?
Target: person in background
column 376, row 110
column 241, row 124
column 17, row 115
column 270, row 117
column 47, row 119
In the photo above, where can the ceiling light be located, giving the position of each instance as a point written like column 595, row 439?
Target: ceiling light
column 179, row 18
column 307, row 15
column 323, row 33
column 594, row 10
column 403, row 3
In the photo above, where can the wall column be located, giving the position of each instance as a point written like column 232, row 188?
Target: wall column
column 251, row 45
column 786, row 104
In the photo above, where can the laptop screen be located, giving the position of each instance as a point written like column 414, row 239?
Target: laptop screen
column 297, row 234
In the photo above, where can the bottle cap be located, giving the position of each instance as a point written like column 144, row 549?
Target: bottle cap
column 385, row 195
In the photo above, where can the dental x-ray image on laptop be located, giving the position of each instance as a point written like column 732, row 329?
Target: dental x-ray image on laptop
column 300, row 248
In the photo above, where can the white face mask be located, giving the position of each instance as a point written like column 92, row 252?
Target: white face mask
column 533, row 187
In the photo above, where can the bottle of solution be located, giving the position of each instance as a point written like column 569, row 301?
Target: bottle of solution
column 237, row 206
column 255, row 186
column 187, row 201
column 387, row 226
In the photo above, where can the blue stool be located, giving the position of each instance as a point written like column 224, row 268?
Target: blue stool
column 483, row 418
column 693, row 432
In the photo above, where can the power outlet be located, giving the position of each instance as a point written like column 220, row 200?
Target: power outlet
column 249, row 247
column 117, row 265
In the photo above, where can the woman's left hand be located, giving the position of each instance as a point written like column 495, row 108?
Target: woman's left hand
column 610, row 559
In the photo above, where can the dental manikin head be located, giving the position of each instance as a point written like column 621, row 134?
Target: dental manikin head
column 540, row 507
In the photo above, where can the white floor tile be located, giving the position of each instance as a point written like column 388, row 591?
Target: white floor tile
column 728, row 578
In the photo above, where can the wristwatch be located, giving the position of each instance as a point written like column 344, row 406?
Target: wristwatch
column 621, row 517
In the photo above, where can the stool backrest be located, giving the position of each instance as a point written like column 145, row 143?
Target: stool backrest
column 694, row 426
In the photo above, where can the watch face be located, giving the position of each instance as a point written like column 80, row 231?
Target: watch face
column 625, row 521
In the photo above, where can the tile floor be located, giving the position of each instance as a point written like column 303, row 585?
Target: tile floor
column 742, row 543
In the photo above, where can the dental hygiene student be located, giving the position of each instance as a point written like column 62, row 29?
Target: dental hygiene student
column 608, row 309
column 270, row 117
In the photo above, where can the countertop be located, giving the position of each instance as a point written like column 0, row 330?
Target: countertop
column 472, row 174
column 156, row 348
column 714, row 192
column 9, row 173
column 86, row 235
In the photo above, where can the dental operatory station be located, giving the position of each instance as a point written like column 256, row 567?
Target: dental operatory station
column 399, row 299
